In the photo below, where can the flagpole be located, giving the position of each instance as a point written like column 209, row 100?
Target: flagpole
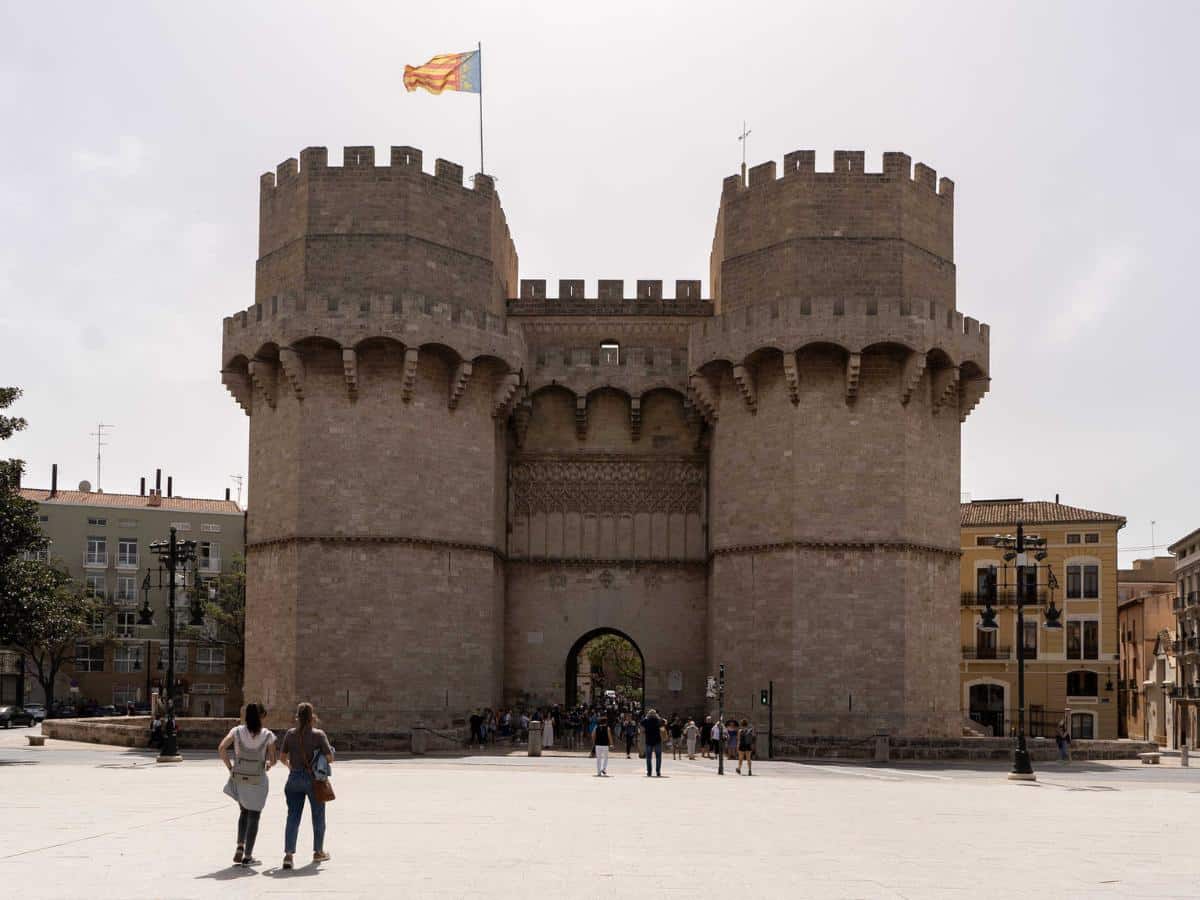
column 480, row 52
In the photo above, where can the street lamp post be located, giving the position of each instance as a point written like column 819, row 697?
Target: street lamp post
column 721, row 719
column 176, row 554
column 1017, row 550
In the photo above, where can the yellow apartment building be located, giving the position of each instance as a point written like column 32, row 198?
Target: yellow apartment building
column 1070, row 672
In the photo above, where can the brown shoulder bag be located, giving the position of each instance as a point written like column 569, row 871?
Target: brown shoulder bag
column 322, row 788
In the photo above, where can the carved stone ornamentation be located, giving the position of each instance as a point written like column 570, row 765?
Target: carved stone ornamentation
column 607, row 485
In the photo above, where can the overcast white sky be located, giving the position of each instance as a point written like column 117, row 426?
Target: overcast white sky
column 135, row 135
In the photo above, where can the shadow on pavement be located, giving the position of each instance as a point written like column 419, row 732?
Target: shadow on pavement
column 232, row 872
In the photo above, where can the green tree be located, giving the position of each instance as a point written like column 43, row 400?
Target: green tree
column 226, row 608
column 616, row 665
column 42, row 612
column 20, row 531
column 54, row 614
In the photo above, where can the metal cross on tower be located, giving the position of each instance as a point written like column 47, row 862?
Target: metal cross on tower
column 742, row 137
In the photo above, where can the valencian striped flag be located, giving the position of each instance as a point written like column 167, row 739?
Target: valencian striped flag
column 448, row 72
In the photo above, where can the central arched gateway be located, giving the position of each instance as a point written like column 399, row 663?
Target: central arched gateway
column 571, row 683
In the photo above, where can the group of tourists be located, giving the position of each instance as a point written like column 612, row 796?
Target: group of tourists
column 306, row 751
column 675, row 733
column 612, row 728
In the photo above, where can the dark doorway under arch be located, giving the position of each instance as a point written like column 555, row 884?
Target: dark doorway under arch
column 572, row 680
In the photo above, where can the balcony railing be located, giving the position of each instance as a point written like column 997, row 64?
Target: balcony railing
column 125, row 561
column 95, row 560
column 1193, row 598
column 987, row 653
column 1178, row 603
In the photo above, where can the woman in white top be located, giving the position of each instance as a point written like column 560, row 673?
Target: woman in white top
column 548, row 732
column 254, row 755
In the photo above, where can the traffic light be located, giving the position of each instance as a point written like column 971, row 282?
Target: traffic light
column 762, row 697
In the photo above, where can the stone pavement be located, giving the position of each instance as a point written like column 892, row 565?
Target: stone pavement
column 80, row 820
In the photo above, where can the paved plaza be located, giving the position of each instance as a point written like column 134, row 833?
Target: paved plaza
column 80, row 820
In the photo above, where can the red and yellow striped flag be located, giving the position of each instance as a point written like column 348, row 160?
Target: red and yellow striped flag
column 448, row 72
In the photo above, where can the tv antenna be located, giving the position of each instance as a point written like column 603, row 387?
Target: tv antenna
column 742, row 137
column 99, row 435
column 238, row 479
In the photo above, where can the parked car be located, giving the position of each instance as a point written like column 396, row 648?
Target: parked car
column 15, row 715
column 37, row 710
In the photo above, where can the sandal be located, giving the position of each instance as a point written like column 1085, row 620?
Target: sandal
column 287, row 860
column 237, row 857
column 320, row 856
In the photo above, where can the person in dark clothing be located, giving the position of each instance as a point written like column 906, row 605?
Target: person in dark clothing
column 653, row 727
column 603, row 737
column 476, row 729
column 629, row 732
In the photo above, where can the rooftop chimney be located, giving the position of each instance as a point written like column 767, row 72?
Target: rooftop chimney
column 170, row 489
column 155, row 499
column 142, row 487
column 1056, row 499
column 226, row 495
column 54, row 480
column 158, row 481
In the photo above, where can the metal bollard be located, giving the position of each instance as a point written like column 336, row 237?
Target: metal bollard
column 420, row 739
column 535, row 738
column 882, row 746
column 1183, row 755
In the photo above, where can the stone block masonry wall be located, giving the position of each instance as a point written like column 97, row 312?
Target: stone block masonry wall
column 361, row 229
column 444, row 499
column 845, row 233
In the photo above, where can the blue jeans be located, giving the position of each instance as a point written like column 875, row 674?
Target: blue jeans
column 299, row 785
column 656, row 751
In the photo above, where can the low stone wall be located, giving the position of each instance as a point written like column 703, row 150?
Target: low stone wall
column 965, row 749
column 134, row 731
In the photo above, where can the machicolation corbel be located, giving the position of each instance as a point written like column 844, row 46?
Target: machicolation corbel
column 262, row 376
column 410, row 374
column 970, row 393
column 703, row 397
column 945, row 381
column 744, row 379
column 792, row 375
column 293, row 369
column 458, row 382
column 502, row 398
column 853, row 370
column 581, row 418
column 350, row 371
column 914, row 368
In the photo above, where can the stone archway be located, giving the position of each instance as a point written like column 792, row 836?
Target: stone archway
column 571, row 683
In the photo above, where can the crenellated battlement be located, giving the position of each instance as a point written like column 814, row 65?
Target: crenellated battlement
column 378, row 229
column 359, row 161
column 853, row 324
column 847, row 232
column 609, row 298
column 897, row 169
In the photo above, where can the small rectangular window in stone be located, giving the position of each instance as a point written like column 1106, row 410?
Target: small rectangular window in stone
column 127, row 552
column 610, row 353
column 181, row 658
column 1083, row 726
column 1092, row 537
column 210, row 660
column 1073, row 538
column 1091, row 582
column 96, row 553
column 1082, row 684
column 92, row 520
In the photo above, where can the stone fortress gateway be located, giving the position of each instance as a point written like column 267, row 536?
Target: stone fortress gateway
column 456, row 478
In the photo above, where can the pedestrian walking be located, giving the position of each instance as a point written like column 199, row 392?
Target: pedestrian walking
column 629, row 731
column 714, row 739
column 253, row 756
column 676, row 730
column 1062, row 737
column 301, row 745
column 745, row 744
column 731, row 729
column 603, row 738
column 690, row 733
column 653, row 726
column 706, row 735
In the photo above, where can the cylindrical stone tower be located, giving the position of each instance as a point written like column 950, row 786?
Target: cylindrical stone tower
column 377, row 370
column 834, row 377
